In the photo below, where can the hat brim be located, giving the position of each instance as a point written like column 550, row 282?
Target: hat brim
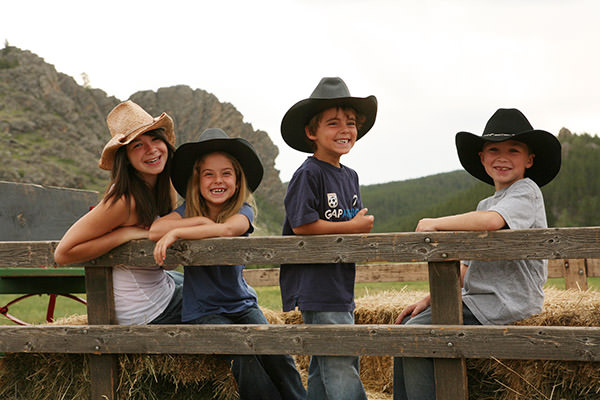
column 187, row 154
column 298, row 116
column 108, row 153
column 544, row 145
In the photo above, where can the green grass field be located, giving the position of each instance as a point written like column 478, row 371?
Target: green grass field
column 33, row 309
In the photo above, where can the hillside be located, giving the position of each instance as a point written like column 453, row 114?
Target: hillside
column 571, row 199
column 52, row 130
column 395, row 204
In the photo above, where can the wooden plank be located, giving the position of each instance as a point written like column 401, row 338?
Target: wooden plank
column 396, row 247
column 397, row 272
column 446, row 299
column 556, row 268
column 388, row 272
column 262, row 276
column 446, row 308
column 45, row 272
column 103, row 376
column 42, row 285
column 555, row 243
column 100, row 310
column 100, row 299
column 35, row 212
column 27, row 254
column 450, row 379
column 449, row 341
column 593, row 267
column 575, row 273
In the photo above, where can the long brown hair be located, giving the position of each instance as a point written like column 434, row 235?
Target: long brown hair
column 125, row 181
column 196, row 204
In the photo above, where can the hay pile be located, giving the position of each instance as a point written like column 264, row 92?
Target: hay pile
column 145, row 377
column 491, row 379
column 543, row 380
column 500, row 379
column 141, row 377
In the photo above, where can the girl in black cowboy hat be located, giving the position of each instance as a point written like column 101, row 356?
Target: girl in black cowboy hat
column 216, row 176
column 517, row 160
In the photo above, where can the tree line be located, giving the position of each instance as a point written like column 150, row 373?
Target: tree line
column 571, row 199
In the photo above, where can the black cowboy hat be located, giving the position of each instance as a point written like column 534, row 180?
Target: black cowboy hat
column 330, row 92
column 211, row 140
column 511, row 124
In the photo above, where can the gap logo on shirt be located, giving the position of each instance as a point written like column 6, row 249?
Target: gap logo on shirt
column 340, row 213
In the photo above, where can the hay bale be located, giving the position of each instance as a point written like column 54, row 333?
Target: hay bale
column 545, row 379
column 43, row 377
column 376, row 373
column 274, row 317
column 490, row 379
column 500, row 379
column 36, row 376
column 165, row 376
column 142, row 377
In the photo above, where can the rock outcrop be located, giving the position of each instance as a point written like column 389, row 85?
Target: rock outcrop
column 52, row 130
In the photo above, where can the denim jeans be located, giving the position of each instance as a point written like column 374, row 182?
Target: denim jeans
column 414, row 378
column 260, row 376
column 172, row 314
column 333, row 377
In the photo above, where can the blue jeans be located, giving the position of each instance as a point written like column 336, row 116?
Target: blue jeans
column 414, row 378
column 260, row 376
column 333, row 377
column 172, row 314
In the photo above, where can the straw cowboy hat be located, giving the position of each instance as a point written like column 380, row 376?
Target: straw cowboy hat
column 212, row 140
column 126, row 122
column 507, row 124
column 330, row 92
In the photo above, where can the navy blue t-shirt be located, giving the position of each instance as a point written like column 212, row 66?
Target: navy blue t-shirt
column 216, row 289
column 319, row 190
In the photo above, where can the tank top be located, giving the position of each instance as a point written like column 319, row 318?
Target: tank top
column 141, row 293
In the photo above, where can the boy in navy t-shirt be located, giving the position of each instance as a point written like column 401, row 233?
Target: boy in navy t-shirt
column 323, row 197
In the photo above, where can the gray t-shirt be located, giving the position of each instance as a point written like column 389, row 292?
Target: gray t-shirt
column 501, row 292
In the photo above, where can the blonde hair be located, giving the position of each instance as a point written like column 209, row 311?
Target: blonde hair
column 196, row 204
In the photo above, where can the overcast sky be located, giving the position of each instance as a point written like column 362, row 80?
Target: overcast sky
column 436, row 67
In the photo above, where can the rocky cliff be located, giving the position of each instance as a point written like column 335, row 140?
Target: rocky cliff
column 52, row 130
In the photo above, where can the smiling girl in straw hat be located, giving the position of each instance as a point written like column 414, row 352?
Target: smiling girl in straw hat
column 139, row 155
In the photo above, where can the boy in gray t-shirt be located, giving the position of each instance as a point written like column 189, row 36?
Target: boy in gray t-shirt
column 517, row 160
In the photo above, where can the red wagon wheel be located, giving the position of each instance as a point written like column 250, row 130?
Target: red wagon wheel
column 49, row 311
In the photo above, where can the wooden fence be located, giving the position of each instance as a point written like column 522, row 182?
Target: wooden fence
column 575, row 273
column 448, row 342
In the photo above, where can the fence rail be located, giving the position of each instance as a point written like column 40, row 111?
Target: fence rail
column 552, row 243
column 577, row 269
column 450, row 341
column 447, row 341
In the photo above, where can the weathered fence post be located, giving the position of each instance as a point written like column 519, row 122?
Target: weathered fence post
column 446, row 309
column 575, row 273
column 101, row 311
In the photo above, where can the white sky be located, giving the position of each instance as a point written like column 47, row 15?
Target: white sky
column 437, row 67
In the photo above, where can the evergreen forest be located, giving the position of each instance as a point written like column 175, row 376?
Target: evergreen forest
column 571, row 199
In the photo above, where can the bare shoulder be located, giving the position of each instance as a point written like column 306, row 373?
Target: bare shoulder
column 122, row 210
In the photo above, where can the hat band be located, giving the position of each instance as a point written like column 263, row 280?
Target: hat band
column 137, row 128
column 499, row 134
